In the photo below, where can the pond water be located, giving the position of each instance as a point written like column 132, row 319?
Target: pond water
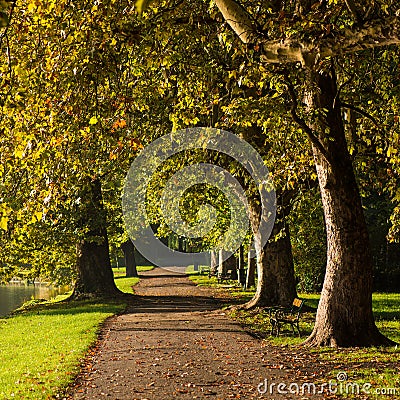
column 14, row 295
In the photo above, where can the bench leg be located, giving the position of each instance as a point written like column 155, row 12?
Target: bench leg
column 298, row 329
column 275, row 328
column 272, row 327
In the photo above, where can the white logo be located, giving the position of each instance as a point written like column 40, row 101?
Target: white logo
column 149, row 161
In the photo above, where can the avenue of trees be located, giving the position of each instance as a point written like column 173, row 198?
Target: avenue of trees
column 312, row 85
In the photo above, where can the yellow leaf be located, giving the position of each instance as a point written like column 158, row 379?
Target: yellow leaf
column 93, row 121
column 19, row 153
column 37, row 216
column 232, row 74
column 4, row 223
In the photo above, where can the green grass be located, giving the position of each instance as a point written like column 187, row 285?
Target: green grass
column 42, row 344
column 233, row 288
column 40, row 349
column 126, row 284
column 140, row 268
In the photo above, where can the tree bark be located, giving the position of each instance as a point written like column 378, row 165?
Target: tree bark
column 371, row 34
column 276, row 284
column 214, row 262
column 225, row 266
column 95, row 276
column 251, row 271
column 130, row 262
column 344, row 316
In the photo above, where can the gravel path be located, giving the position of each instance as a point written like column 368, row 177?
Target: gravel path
column 175, row 342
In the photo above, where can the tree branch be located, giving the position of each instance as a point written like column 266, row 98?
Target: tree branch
column 371, row 35
column 239, row 20
column 360, row 111
column 353, row 9
column 300, row 121
column 374, row 33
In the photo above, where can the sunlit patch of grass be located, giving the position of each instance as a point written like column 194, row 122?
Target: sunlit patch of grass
column 121, row 271
column 231, row 286
column 41, row 349
column 310, row 299
column 203, row 280
column 126, row 284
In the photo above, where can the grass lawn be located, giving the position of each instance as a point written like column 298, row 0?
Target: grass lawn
column 379, row 367
column 140, row 268
column 41, row 348
column 126, row 284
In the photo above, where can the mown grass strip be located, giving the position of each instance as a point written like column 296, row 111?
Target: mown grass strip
column 125, row 284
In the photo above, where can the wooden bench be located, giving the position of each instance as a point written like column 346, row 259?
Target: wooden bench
column 290, row 316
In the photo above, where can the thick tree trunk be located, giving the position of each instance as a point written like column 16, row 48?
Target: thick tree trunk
column 276, row 283
column 95, row 276
column 130, row 262
column 344, row 316
column 251, row 271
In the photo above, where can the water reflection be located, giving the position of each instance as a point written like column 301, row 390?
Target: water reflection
column 14, row 295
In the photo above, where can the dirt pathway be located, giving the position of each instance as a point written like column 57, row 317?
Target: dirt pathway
column 174, row 342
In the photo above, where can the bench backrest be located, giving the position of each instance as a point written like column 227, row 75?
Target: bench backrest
column 297, row 303
column 296, row 306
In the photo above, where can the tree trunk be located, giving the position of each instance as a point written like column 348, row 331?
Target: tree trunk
column 222, row 267
column 276, row 284
column 251, row 271
column 214, row 262
column 241, row 271
column 227, row 265
column 130, row 262
column 95, row 276
column 344, row 316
